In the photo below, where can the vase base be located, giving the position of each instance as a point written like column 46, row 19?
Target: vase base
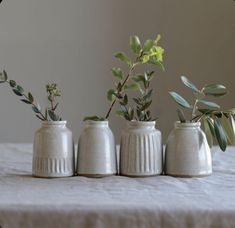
column 139, row 176
column 53, row 176
column 188, row 176
column 97, row 175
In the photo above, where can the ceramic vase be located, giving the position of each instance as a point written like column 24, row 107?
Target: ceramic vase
column 96, row 150
column 53, row 150
column 187, row 152
column 141, row 149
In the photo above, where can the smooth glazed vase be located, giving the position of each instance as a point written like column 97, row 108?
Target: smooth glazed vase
column 187, row 152
column 141, row 150
column 53, row 150
column 96, row 150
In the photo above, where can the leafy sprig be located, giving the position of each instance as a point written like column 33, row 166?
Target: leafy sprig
column 28, row 98
column 149, row 53
column 218, row 124
column 142, row 103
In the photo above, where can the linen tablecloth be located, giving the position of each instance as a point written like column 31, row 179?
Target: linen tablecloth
column 116, row 201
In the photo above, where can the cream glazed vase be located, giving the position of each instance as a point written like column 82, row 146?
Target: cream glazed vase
column 53, row 150
column 187, row 152
column 96, row 150
column 141, row 150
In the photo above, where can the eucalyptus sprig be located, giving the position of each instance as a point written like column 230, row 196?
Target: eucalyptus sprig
column 28, row 98
column 217, row 123
column 149, row 53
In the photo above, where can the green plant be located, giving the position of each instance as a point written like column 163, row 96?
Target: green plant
column 217, row 123
column 53, row 93
column 150, row 53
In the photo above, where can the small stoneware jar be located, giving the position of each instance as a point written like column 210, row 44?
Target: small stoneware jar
column 53, row 150
column 187, row 152
column 141, row 149
column 96, row 150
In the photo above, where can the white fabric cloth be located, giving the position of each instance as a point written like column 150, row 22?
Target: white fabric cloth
column 114, row 202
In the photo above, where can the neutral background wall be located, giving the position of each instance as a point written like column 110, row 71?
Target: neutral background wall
column 72, row 42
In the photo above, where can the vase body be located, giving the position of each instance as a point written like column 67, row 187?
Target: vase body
column 187, row 152
column 53, row 150
column 96, row 150
column 141, row 150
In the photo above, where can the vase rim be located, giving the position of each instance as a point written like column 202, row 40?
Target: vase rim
column 187, row 124
column 96, row 122
column 141, row 123
column 60, row 122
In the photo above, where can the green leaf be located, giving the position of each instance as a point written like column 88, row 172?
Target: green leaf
column 131, row 114
column 210, row 122
column 148, row 95
column 213, row 86
column 94, row 118
column 228, row 129
column 110, row 95
column 220, row 135
column 145, row 106
column 5, row 75
column 53, row 116
column 122, row 56
column 134, row 86
column 181, row 115
column 145, row 59
column 205, row 111
column 12, row 83
column 180, row 100
column 35, row 109
column 135, row 44
column 138, row 78
column 158, row 38
column 125, row 100
column 189, row 84
column 137, row 101
column 216, row 93
column 117, row 72
column 208, row 133
column 20, row 89
column 25, row 101
column 148, row 45
column 30, row 97
column 17, row 92
column 209, row 103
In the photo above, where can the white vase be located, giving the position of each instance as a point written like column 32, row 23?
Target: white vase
column 141, row 149
column 53, row 150
column 96, row 150
column 187, row 152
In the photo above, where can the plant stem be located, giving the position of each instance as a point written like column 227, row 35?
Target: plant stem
column 194, row 109
column 121, row 87
column 40, row 113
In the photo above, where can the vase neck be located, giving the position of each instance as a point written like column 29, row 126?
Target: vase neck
column 91, row 123
column 187, row 125
column 141, row 124
column 54, row 123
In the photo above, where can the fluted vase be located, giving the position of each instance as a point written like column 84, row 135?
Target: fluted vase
column 141, row 149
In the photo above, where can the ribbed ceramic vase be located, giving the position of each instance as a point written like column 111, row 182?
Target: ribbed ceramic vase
column 96, row 150
column 53, row 150
column 141, row 150
column 187, row 152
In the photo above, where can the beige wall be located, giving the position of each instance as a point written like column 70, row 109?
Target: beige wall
column 72, row 42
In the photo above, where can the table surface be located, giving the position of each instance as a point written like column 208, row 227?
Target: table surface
column 116, row 201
